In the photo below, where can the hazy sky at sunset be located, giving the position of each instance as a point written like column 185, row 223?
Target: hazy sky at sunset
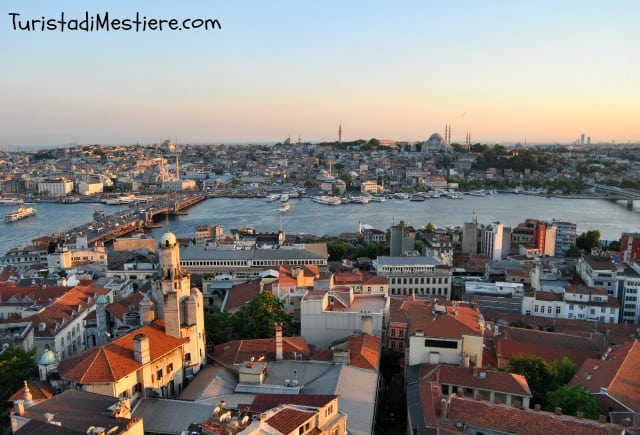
column 504, row 71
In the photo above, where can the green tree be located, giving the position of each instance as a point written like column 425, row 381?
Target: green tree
column 337, row 250
column 16, row 366
column 573, row 251
column 587, row 241
column 430, row 228
column 258, row 318
column 371, row 250
column 562, row 371
column 572, row 400
column 536, row 371
column 219, row 328
column 347, row 178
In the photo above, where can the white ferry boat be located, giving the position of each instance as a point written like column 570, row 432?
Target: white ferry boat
column 20, row 213
column 401, row 195
column 377, row 198
column 10, row 201
column 273, row 197
column 359, row 199
column 327, row 200
column 284, row 207
column 284, row 197
column 125, row 199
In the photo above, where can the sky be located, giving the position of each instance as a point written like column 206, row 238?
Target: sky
column 502, row 71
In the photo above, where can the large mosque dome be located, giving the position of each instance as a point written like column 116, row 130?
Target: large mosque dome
column 435, row 140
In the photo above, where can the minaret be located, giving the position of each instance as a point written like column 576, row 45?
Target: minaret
column 340, row 133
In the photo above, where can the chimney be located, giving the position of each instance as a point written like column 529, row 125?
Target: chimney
column 444, row 408
column 141, row 349
column 19, row 407
column 279, row 355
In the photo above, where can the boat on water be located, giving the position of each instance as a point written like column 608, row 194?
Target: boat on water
column 273, row 197
column 327, row 200
column 21, row 213
column 480, row 192
column 69, row 200
column 124, row 199
column 10, row 201
column 284, row 207
column 284, row 197
column 401, row 195
column 452, row 194
column 377, row 198
column 359, row 199
column 417, row 197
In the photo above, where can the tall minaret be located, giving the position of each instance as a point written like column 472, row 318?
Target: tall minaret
column 340, row 133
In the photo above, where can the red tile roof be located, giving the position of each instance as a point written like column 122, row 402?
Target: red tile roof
column 617, row 372
column 364, row 351
column 508, row 419
column 498, row 381
column 115, row 360
column 39, row 391
column 240, row 294
column 547, row 345
column 67, row 307
column 264, row 402
column 454, row 323
column 123, row 306
column 239, row 351
column 286, row 420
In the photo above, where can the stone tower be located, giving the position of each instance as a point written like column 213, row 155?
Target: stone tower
column 180, row 306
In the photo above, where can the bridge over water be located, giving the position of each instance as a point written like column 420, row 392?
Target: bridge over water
column 130, row 220
column 618, row 193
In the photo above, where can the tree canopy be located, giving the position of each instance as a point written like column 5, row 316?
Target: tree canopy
column 587, row 241
column 572, row 400
column 541, row 376
column 257, row 319
column 16, row 366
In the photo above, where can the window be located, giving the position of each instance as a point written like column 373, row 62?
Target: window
column 169, row 368
column 535, row 309
column 401, row 332
column 557, row 310
column 549, row 309
column 393, row 332
column 445, row 344
column 159, row 374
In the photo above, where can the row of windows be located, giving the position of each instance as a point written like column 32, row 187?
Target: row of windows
column 400, row 332
column 399, row 347
column 420, row 280
column 420, row 291
column 540, row 309
column 248, row 263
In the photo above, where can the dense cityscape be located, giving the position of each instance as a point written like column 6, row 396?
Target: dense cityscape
column 479, row 328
